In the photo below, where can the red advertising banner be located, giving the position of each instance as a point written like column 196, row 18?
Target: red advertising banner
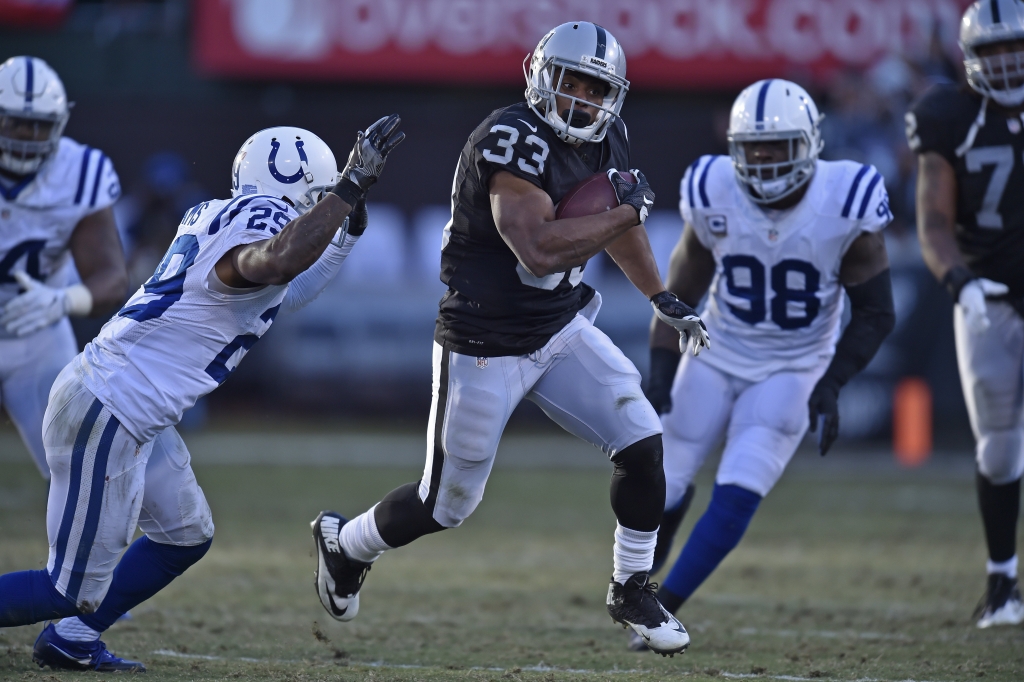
column 668, row 43
column 36, row 13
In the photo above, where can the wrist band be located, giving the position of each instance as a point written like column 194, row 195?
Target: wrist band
column 77, row 300
column 347, row 191
column 955, row 279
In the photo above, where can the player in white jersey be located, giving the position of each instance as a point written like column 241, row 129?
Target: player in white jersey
column 55, row 205
column 115, row 457
column 777, row 235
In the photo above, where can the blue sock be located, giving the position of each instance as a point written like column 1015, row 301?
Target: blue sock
column 717, row 532
column 145, row 569
column 28, row 597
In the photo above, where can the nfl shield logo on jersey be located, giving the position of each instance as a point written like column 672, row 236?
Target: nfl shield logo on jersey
column 716, row 224
column 481, row 363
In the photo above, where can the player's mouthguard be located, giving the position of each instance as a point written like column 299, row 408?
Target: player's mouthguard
column 578, row 119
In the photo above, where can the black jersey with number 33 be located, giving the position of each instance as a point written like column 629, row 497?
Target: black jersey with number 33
column 493, row 305
column 989, row 178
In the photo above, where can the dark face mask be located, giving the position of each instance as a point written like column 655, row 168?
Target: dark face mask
column 578, row 120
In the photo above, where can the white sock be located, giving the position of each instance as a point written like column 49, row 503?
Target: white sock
column 360, row 538
column 633, row 553
column 1008, row 567
column 75, row 630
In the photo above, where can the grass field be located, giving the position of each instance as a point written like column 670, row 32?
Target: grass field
column 852, row 570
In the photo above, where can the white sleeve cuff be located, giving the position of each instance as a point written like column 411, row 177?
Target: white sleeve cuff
column 78, row 300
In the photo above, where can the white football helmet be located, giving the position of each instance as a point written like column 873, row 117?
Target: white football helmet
column 775, row 110
column 33, row 112
column 1000, row 76
column 285, row 162
column 589, row 49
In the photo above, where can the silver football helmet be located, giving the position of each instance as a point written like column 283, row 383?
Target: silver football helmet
column 588, row 49
column 33, row 112
column 1000, row 76
column 775, row 110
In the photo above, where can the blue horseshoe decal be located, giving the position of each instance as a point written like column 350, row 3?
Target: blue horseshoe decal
column 286, row 179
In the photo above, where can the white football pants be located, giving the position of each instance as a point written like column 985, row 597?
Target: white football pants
column 763, row 423
column 104, row 482
column 28, row 367
column 992, row 376
column 579, row 378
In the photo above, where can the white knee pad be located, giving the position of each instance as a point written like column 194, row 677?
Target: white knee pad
column 1000, row 455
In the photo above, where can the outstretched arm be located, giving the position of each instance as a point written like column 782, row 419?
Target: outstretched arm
column 281, row 258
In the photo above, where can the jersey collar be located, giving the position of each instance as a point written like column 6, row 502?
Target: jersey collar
column 11, row 192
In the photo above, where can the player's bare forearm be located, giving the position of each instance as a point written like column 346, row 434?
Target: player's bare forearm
column 865, row 258
column 281, row 258
column 99, row 259
column 936, row 214
column 632, row 253
column 690, row 271
column 525, row 218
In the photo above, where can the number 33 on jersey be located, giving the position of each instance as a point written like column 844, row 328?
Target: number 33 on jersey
column 776, row 302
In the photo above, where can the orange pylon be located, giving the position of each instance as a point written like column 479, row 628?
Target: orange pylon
column 912, row 422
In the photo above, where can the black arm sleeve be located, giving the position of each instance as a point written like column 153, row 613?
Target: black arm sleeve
column 873, row 317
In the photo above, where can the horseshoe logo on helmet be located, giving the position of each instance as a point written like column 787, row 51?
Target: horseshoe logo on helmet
column 272, row 162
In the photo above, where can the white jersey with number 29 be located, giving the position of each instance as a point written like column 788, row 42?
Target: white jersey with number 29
column 183, row 332
column 776, row 302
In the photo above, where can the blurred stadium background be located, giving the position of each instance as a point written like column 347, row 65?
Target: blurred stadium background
column 169, row 90
column 854, row 568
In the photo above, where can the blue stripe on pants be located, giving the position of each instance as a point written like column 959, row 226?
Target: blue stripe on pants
column 77, row 456
column 92, row 516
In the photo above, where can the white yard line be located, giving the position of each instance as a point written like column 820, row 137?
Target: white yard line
column 541, row 668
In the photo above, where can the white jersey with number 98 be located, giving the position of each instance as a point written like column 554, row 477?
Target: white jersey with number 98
column 776, row 302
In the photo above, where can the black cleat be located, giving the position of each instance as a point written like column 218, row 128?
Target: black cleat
column 338, row 578
column 636, row 605
column 1001, row 604
column 63, row 654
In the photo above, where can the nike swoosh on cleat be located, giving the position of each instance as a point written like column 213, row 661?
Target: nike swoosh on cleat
column 80, row 661
column 533, row 128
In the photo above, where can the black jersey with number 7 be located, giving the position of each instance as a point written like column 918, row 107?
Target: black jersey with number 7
column 989, row 177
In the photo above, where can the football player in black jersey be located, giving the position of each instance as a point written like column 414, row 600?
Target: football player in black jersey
column 517, row 322
column 970, row 217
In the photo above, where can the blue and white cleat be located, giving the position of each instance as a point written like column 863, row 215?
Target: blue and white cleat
column 62, row 654
column 337, row 578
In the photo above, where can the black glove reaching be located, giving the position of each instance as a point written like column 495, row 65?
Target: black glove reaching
column 683, row 319
column 823, row 406
column 637, row 194
column 663, row 372
column 366, row 160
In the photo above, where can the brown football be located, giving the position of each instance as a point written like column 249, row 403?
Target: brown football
column 593, row 195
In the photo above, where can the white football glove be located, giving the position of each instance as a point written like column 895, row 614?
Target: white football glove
column 40, row 305
column 972, row 300
column 683, row 319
